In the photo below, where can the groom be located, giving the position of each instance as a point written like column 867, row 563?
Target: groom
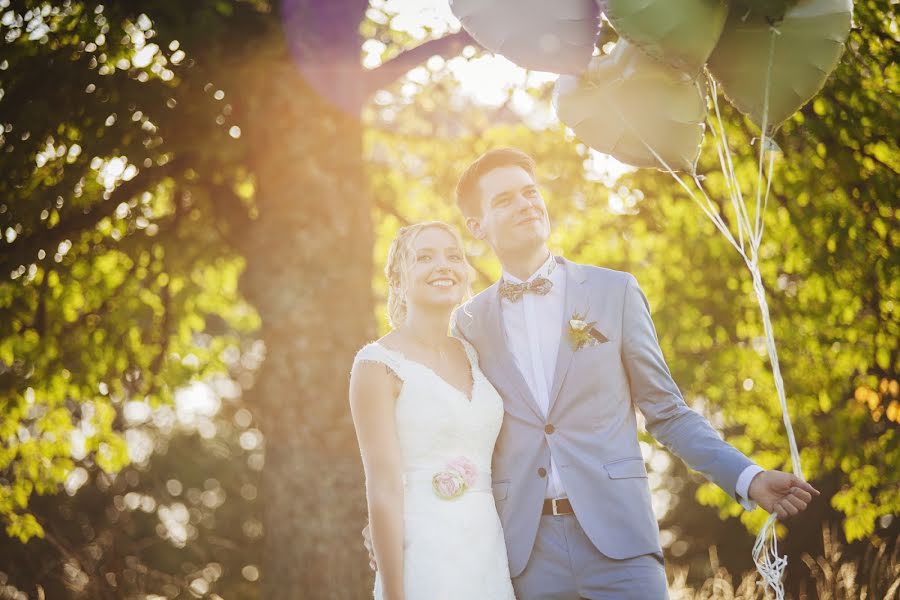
column 573, row 351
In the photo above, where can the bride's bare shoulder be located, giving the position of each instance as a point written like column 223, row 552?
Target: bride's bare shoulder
column 376, row 365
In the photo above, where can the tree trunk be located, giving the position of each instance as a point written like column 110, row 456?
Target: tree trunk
column 309, row 274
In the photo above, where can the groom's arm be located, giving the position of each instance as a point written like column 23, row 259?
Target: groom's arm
column 689, row 435
column 681, row 429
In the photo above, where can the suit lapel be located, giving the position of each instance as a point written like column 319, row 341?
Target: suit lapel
column 576, row 301
column 500, row 353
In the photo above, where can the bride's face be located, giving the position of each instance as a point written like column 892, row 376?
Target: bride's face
column 438, row 276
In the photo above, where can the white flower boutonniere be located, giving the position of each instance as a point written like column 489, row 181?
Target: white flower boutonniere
column 583, row 333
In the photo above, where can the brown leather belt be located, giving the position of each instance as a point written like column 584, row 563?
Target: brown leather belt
column 557, row 506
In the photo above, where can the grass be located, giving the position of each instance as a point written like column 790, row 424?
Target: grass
column 833, row 576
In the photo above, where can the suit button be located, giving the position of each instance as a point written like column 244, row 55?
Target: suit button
column 542, row 472
column 549, row 428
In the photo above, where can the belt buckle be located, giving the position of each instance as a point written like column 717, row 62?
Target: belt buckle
column 556, row 512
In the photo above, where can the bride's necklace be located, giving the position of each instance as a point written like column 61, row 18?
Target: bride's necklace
column 434, row 347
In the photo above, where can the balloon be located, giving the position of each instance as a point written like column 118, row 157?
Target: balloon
column 808, row 45
column 627, row 101
column 681, row 34
column 543, row 35
column 773, row 10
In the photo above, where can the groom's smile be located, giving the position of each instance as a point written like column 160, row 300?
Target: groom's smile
column 535, row 218
column 513, row 214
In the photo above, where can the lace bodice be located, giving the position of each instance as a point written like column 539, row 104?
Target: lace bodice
column 436, row 421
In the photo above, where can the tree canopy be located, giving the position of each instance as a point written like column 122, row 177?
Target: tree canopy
column 181, row 203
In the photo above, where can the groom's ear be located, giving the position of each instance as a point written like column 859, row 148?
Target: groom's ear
column 474, row 226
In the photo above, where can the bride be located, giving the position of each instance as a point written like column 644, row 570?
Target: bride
column 426, row 420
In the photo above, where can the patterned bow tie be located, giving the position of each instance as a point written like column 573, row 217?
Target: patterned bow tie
column 514, row 291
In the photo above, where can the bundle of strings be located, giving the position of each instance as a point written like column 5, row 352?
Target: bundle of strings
column 769, row 564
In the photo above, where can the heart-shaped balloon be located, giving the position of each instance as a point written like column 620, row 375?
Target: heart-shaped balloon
column 629, row 105
column 773, row 10
column 555, row 36
column 808, row 43
column 681, row 33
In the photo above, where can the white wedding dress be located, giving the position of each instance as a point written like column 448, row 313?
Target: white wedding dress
column 453, row 541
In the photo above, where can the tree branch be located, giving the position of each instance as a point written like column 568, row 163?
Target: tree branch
column 24, row 249
column 387, row 73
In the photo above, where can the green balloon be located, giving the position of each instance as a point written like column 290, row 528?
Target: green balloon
column 627, row 103
column 680, row 33
column 808, row 43
column 773, row 10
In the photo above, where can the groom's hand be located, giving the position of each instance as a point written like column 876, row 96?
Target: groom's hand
column 367, row 542
column 781, row 493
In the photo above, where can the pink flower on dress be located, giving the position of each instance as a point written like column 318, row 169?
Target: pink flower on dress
column 448, row 485
column 465, row 468
column 453, row 482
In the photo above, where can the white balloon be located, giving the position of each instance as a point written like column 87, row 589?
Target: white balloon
column 636, row 109
column 542, row 35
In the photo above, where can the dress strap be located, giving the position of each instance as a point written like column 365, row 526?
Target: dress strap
column 375, row 352
column 470, row 350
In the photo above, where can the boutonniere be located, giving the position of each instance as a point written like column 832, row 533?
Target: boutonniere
column 583, row 333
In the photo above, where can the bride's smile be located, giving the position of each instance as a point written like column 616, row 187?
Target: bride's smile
column 437, row 278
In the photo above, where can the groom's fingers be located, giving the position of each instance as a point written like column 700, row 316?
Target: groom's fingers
column 796, row 502
column 801, row 494
column 799, row 483
column 790, row 506
column 787, row 509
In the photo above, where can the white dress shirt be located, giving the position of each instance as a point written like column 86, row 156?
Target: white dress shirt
column 533, row 327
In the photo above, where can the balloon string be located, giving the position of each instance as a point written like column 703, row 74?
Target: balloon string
column 765, row 128
column 769, row 564
column 734, row 189
column 752, row 262
column 742, row 218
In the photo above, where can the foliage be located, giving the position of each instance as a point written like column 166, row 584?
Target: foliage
column 133, row 180
column 183, row 518
column 111, row 292
column 833, row 278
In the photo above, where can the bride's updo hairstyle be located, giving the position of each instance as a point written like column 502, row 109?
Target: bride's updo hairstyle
column 401, row 259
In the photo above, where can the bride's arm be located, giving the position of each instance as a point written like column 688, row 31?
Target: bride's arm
column 373, row 392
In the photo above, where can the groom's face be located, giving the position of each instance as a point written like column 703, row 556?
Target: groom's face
column 514, row 217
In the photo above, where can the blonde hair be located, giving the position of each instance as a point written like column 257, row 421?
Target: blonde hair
column 401, row 259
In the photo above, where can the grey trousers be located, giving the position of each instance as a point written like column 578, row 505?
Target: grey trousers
column 565, row 565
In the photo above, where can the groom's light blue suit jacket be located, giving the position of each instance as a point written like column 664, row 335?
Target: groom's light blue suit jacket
column 593, row 436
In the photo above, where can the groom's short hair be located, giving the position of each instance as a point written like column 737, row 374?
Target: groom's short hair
column 467, row 193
